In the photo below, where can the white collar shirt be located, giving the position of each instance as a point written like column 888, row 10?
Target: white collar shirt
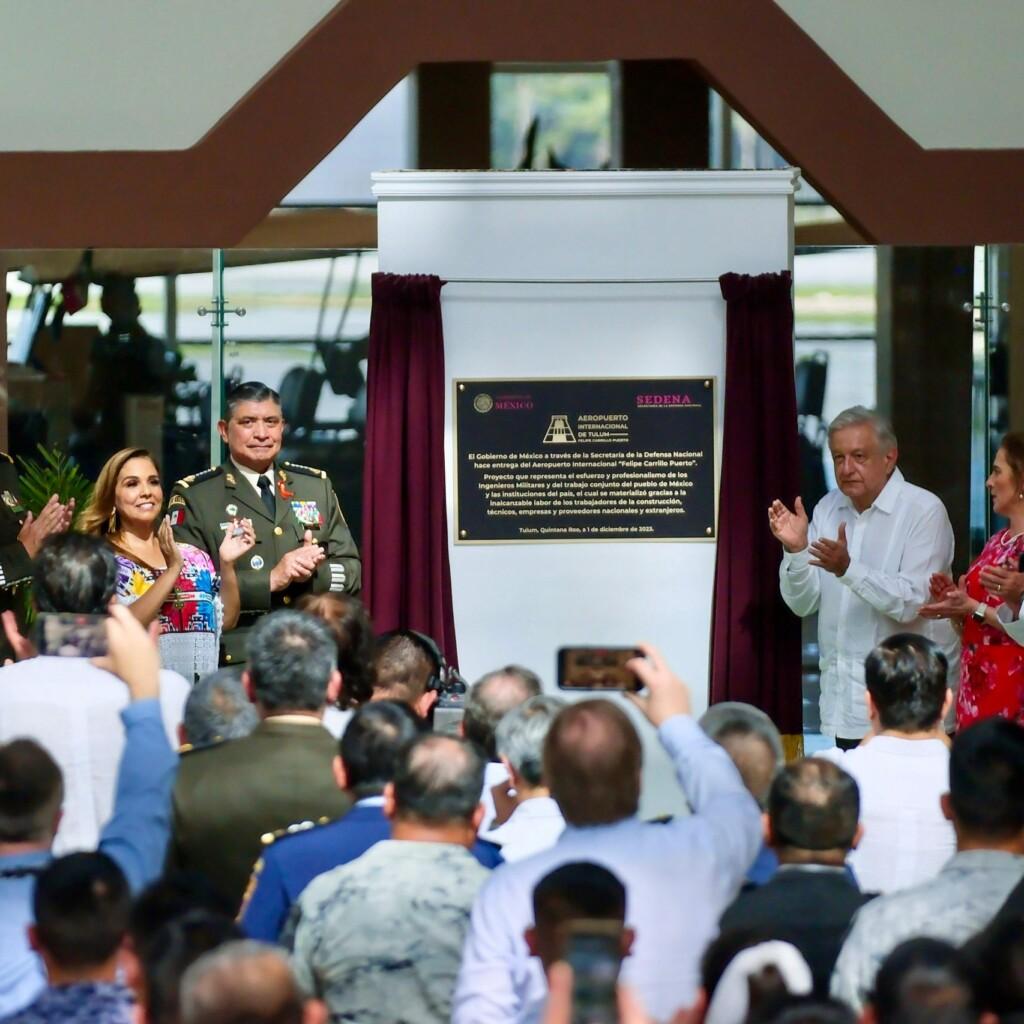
column 72, row 709
column 494, row 774
column 907, row 839
column 895, row 546
column 253, row 477
column 679, row 877
column 533, row 826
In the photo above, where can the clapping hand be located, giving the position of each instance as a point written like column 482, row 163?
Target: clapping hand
column 1005, row 584
column 789, row 527
column 952, row 603
column 54, row 518
column 297, row 565
column 939, row 583
column 168, row 548
column 832, row 555
column 239, row 537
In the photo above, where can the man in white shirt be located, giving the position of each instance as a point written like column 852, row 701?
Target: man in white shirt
column 679, row 876
column 535, row 822
column 863, row 564
column 67, row 704
column 903, row 770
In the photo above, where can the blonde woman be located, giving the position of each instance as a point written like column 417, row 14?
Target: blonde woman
column 159, row 578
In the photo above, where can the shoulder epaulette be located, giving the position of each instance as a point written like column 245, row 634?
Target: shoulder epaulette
column 7, row 457
column 308, row 470
column 189, row 749
column 300, row 826
column 198, row 478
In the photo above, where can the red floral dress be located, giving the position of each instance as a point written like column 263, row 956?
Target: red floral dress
column 991, row 664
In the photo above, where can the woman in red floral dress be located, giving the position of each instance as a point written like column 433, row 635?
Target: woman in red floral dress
column 991, row 663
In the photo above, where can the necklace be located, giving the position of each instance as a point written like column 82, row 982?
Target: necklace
column 1006, row 542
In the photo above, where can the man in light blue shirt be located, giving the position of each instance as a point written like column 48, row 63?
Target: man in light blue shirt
column 679, row 876
column 31, row 790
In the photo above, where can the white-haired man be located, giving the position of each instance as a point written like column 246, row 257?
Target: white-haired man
column 863, row 563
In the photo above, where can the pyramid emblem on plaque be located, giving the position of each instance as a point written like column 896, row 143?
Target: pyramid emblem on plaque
column 559, row 431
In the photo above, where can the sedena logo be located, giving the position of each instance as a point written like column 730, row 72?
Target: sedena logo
column 483, row 402
column 664, row 401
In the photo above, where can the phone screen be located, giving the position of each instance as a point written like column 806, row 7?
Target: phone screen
column 597, row 668
column 595, row 958
column 71, row 636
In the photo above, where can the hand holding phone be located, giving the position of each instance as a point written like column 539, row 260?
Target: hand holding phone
column 597, row 668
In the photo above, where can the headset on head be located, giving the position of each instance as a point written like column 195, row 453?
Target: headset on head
column 443, row 677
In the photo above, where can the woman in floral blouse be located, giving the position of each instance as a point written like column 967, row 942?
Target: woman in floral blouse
column 160, row 579
column 991, row 663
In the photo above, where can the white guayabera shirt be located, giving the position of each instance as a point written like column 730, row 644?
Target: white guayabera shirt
column 895, row 546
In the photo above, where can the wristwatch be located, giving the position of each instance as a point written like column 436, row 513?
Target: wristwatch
column 979, row 613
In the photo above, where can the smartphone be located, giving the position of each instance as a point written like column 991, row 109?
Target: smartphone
column 597, row 668
column 594, row 952
column 71, row 636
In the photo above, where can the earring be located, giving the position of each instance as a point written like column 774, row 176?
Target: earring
column 112, row 521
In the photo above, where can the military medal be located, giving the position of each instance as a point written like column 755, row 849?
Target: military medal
column 256, row 562
column 232, row 510
column 307, row 513
column 9, row 500
column 283, row 490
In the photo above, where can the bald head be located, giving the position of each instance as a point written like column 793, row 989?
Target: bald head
column 592, row 761
column 241, row 983
column 438, row 780
column 491, row 698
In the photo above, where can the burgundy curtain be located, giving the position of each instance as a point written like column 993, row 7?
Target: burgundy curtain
column 755, row 637
column 406, row 579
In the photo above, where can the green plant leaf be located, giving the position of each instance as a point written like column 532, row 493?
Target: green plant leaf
column 53, row 473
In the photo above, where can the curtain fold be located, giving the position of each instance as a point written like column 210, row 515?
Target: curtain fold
column 755, row 637
column 406, row 576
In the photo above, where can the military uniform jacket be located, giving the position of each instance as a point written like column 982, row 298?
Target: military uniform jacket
column 305, row 500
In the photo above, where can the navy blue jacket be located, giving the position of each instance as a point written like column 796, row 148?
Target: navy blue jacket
column 292, row 862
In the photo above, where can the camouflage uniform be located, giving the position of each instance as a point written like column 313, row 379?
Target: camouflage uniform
column 380, row 939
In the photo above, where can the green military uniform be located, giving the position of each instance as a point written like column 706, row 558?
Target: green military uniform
column 305, row 500
column 15, row 564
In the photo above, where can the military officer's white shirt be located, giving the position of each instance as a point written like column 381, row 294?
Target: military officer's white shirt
column 253, row 477
column 895, row 546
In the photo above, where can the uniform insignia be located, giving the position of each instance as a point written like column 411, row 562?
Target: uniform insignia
column 232, row 510
column 176, row 500
column 224, row 526
column 256, row 562
column 177, row 515
column 10, row 500
column 229, row 479
column 307, row 513
column 198, row 478
column 308, row 470
column 7, row 457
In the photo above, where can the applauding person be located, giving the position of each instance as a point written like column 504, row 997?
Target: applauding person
column 863, row 563
column 174, row 583
column 987, row 601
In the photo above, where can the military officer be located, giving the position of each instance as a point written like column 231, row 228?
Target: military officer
column 303, row 544
column 21, row 533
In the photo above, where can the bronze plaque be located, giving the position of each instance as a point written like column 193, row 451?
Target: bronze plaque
column 600, row 459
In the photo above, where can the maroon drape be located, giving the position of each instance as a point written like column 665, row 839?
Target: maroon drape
column 755, row 638
column 406, row 579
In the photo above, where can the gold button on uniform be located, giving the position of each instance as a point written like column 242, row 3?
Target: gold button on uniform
column 286, row 599
column 278, row 531
column 227, row 657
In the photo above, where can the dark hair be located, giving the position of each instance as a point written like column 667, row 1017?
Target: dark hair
column 926, row 980
column 218, row 708
column 723, row 949
column 353, row 633
column 592, row 761
column 292, row 656
column 81, row 905
column 170, row 952
column 802, row 1010
column 906, row 677
column 491, row 698
column 170, row 897
column 995, row 959
column 403, row 666
column 371, row 743
column 986, row 778
column 31, row 791
column 813, row 805
column 74, row 572
column 438, row 779
column 1013, row 448
column 248, row 391
column 579, row 889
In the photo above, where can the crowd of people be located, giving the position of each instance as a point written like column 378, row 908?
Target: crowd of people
column 286, row 839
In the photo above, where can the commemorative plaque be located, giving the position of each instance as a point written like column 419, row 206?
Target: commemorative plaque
column 600, row 459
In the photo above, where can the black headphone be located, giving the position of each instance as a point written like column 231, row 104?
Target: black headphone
column 443, row 677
